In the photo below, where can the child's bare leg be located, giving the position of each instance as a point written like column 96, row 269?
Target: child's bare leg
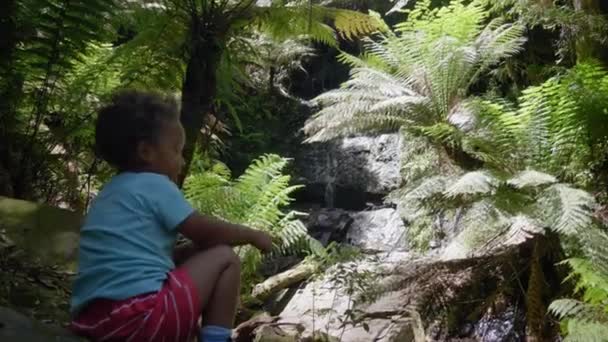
column 184, row 252
column 216, row 273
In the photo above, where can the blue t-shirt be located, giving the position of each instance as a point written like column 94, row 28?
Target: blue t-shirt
column 127, row 240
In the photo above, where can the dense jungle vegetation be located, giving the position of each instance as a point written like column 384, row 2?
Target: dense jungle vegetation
column 504, row 104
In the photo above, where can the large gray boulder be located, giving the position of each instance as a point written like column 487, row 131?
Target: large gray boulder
column 408, row 298
column 323, row 305
column 379, row 230
column 354, row 165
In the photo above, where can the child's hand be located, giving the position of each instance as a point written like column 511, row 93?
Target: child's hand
column 262, row 241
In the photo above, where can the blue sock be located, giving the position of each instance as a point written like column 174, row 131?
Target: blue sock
column 214, row 333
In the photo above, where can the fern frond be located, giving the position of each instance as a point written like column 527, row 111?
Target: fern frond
column 261, row 171
column 381, row 123
column 257, row 198
column 443, row 133
column 580, row 311
column 472, row 183
column 483, row 228
column 586, row 331
column 64, row 29
column 498, row 41
column 585, row 322
column 591, row 279
column 562, row 120
column 463, row 22
column 567, row 210
column 283, row 22
column 294, row 237
column 595, row 249
column 352, row 24
column 415, row 77
column 62, row 33
column 531, row 179
column 154, row 58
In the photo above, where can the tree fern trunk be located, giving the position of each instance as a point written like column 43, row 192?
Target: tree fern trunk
column 198, row 92
column 535, row 309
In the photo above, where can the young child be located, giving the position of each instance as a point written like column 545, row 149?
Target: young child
column 129, row 287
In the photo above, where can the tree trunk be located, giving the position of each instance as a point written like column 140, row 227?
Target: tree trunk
column 586, row 47
column 10, row 93
column 198, row 93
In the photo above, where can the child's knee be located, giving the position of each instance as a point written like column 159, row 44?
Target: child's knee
column 227, row 254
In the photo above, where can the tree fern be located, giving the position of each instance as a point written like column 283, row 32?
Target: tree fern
column 529, row 195
column 414, row 77
column 559, row 125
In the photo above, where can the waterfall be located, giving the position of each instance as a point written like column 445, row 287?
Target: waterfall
column 330, row 179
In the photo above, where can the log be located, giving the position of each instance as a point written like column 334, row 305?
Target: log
column 298, row 273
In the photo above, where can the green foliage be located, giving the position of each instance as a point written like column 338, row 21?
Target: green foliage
column 586, row 319
column 417, row 76
column 256, row 199
column 283, row 22
column 49, row 85
column 154, row 58
column 558, row 16
column 64, row 57
column 63, row 30
column 496, row 203
column 560, row 126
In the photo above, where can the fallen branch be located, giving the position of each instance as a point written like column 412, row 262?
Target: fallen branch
column 300, row 272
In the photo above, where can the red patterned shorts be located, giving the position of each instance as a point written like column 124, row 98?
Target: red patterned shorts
column 171, row 314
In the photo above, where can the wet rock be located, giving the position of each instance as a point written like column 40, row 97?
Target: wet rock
column 269, row 333
column 372, row 230
column 400, row 297
column 352, row 171
column 16, row 327
column 378, row 230
column 500, row 327
column 327, row 225
column 323, row 305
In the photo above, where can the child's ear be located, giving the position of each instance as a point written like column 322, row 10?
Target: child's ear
column 145, row 152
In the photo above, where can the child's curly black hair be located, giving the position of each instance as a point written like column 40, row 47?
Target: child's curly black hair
column 130, row 118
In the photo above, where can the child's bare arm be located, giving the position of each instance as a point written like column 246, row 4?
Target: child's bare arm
column 206, row 231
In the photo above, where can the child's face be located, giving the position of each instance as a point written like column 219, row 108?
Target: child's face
column 165, row 156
